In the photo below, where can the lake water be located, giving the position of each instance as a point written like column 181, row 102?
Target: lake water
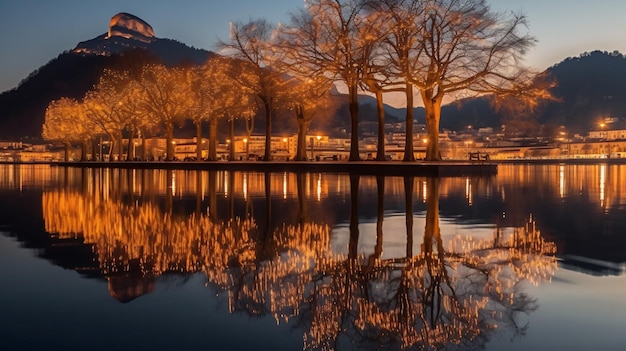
column 98, row 259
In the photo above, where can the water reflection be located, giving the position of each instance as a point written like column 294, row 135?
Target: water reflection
column 289, row 246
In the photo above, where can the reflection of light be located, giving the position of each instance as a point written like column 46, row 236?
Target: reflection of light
column 173, row 183
column 602, row 184
column 134, row 180
column 285, row 186
column 226, row 184
column 562, row 181
column 245, row 185
column 468, row 191
column 319, row 187
column 424, row 191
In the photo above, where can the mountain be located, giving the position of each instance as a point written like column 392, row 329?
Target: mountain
column 129, row 40
column 130, row 32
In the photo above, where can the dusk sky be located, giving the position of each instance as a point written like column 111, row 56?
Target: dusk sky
column 32, row 32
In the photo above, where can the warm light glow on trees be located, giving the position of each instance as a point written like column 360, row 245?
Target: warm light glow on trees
column 112, row 107
column 251, row 44
column 216, row 94
column 66, row 122
column 309, row 99
column 466, row 49
column 333, row 38
column 400, row 51
column 167, row 98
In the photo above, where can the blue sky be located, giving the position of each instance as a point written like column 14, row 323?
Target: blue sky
column 32, row 32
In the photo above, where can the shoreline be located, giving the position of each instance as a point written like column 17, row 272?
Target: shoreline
column 391, row 168
column 445, row 168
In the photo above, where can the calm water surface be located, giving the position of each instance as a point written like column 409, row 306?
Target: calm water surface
column 531, row 259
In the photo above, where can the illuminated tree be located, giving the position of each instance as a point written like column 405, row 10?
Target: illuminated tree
column 167, row 98
column 106, row 107
column 333, row 38
column 400, row 49
column 138, row 122
column 308, row 98
column 250, row 43
column 378, row 77
column 66, row 122
column 465, row 49
column 217, row 93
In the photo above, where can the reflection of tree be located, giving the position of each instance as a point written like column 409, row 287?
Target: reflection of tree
column 145, row 242
column 445, row 295
column 451, row 292
column 458, row 294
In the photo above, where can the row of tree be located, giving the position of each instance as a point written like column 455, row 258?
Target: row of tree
column 445, row 49
column 154, row 99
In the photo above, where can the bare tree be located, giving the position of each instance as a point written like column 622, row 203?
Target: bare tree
column 401, row 50
column 251, row 44
column 466, row 49
column 333, row 38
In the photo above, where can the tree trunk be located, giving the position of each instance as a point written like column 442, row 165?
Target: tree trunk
column 100, row 149
column 301, row 147
column 83, row 151
column 380, row 108
column 432, row 107
column 268, row 129
column 409, row 155
column 231, row 135
column 93, row 149
column 144, row 149
column 120, row 146
column 353, row 104
column 213, row 140
column 112, row 147
column 169, row 138
column 67, row 152
column 130, row 153
column 199, row 140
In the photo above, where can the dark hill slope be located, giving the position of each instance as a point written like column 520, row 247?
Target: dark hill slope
column 22, row 110
column 591, row 87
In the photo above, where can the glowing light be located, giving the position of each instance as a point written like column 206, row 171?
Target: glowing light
column 562, row 181
column 319, row 187
column 468, row 191
column 245, row 186
column 602, row 185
